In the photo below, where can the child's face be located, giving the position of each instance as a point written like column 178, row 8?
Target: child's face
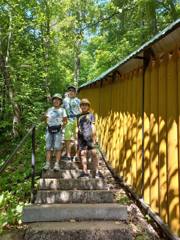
column 56, row 102
column 84, row 108
column 72, row 93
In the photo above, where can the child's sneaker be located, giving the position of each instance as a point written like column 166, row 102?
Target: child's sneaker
column 75, row 159
column 67, row 158
column 99, row 175
column 46, row 166
column 83, row 175
column 56, row 167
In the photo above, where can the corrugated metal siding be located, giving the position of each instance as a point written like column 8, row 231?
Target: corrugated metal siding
column 118, row 105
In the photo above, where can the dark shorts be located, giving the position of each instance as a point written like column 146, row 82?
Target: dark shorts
column 85, row 144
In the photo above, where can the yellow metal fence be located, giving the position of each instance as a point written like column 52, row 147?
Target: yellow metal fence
column 118, row 106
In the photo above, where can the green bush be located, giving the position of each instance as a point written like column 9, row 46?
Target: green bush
column 10, row 209
column 15, row 181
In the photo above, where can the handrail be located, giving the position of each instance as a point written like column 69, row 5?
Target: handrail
column 31, row 132
column 10, row 158
column 33, row 162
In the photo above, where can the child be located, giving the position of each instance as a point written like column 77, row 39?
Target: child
column 56, row 119
column 72, row 106
column 87, row 137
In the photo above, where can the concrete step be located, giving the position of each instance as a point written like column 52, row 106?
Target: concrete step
column 74, row 196
column 70, row 184
column 92, row 230
column 65, row 164
column 79, row 212
column 66, row 174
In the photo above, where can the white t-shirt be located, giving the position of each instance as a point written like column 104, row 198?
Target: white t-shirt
column 55, row 116
column 72, row 106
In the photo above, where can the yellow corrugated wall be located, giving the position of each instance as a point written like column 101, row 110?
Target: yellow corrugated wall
column 117, row 103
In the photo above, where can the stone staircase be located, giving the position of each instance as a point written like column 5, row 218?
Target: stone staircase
column 68, row 207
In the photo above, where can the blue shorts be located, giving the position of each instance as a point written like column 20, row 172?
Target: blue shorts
column 54, row 140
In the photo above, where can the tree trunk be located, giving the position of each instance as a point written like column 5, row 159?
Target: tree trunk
column 77, row 62
column 3, row 102
column 10, row 93
column 46, row 43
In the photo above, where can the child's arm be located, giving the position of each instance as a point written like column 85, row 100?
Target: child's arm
column 64, row 118
column 64, row 121
column 94, row 137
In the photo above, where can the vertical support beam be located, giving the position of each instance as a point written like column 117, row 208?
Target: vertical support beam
column 143, row 78
column 146, row 58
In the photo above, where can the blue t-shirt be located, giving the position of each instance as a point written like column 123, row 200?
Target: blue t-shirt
column 55, row 116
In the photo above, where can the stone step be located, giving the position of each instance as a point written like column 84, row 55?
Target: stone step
column 74, row 196
column 66, row 164
column 70, row 184
column 79, row 212
column 92, row 230
column 66, row 174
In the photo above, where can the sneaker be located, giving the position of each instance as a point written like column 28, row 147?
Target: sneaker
column 83, row 175
column 67, row 158
column 56, row 167
column 46, row 166
column 75, row 159
column 98, row 175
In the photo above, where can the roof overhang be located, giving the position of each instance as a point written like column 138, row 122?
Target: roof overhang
column 165, row 41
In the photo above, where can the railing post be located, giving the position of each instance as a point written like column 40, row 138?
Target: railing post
column 33, row 166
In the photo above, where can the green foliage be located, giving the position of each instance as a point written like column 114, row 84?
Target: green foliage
column 15, row 182
column 130, row 24
column 10, row 208
column 122, row 199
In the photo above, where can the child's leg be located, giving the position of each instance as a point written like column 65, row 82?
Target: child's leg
column 95, row 159
column 83, row 155
column 57, row 147
column 58, row 155
column 69, row 144
column 68, row 136
column 76, row 155
column 49, row 143
column 48, row 155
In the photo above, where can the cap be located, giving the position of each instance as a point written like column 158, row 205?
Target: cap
column 72, row 87
column 57, row 95
column 85, row 101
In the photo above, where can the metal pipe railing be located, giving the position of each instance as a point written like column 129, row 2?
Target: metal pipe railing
column 33, row 163
column 10, row 158
column 31, row 132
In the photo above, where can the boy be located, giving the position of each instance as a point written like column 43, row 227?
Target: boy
column 87, row 138
column 72, row 106
column 56, row 119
